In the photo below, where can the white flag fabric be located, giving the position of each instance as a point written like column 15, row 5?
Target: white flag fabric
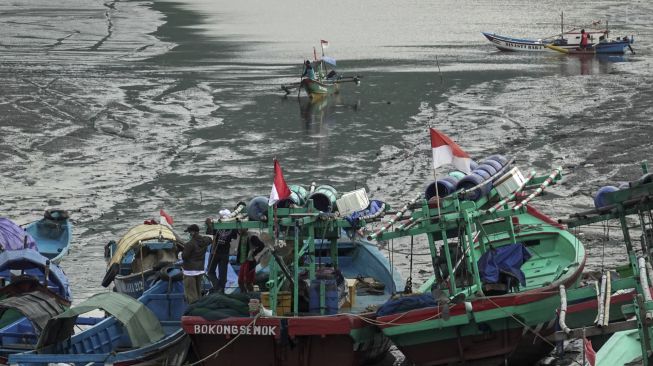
column 445, row 151
column 280, row 189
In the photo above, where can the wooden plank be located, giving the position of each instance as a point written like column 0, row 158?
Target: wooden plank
column 594, row 330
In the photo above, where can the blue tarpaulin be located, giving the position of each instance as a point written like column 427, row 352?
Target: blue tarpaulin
column 406, row 303
column 507, row 258
column 372, row 208
column 329, row 60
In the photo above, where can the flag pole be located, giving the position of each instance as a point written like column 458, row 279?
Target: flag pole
column 437, row 194
column 435, row 179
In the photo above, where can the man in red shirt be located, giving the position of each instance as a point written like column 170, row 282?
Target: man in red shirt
column 584, row 39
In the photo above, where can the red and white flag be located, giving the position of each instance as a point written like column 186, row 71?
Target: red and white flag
column 165, row 218
column 590, row 354
column 324, row 44
column 280, row 189
column 446, row 151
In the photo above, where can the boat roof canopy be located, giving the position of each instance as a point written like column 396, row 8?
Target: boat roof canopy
column 35, row 306
column 138, row 234
column 34, row 264
column 140, row 322
column 329, row 60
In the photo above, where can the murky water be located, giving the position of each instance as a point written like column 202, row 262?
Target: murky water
column 116, row 109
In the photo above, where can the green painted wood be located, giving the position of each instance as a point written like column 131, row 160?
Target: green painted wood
column 621, row 349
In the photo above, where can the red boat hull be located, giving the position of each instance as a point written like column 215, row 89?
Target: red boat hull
column 300, row 341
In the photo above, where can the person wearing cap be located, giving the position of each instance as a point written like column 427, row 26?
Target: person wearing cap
column 219, row 258
column 193, row 263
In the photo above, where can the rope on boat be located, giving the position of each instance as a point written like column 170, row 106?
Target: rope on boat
column 643, row 279
column 215, row 354
column 563, row 310
column 512, row 195
column 608, row 295
column 601, row 315
column 547, row 181
column 394, row 219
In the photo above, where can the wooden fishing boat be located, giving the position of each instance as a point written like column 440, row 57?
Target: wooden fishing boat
column 34, row 290
column 139, row 256
column 52, row 233
column 565, row 40
column 347, row 336
column 138, row 332
column 498, row 264
column 327, row 306
column 326, row 80
column 506, row 43
column 489, row 324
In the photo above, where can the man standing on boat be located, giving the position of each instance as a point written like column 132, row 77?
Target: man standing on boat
column 584, row 39
column 308, row 70
column 193, row 265
column 220, row 255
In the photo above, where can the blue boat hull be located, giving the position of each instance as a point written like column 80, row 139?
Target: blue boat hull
column 52, row 236
column 164, row 299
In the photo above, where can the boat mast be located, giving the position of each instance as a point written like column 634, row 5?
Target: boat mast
column 562, row 25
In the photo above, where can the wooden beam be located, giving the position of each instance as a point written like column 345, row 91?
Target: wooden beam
column 595, row 330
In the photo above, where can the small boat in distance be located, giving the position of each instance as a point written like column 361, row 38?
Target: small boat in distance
column 52, row 234
column 324, row 80
column 565, row 40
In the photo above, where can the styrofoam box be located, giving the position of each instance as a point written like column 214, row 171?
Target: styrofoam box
column 351, row 202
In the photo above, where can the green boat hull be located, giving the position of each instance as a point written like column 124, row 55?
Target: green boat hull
column 493, row 329
column 315, row 88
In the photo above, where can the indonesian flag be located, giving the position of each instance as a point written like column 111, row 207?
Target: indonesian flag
column 446, row 151
column 590, row 354
column 165, row 218
column 324, row 44
column 280, row 189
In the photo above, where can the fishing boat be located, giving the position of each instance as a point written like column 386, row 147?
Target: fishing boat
column 498, row 263
column 506, row 43
column 138, row 332
column 489, row 321
column 138, row 258
column 565, row 40
column 321, row 306
column 34, row 290
column 325, row 81
column 52, row 233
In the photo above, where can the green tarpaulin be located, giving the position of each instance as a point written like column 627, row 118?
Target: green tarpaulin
column 140, row 322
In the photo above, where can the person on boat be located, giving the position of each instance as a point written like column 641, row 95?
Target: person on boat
column 584, row 39
column 308, row 71
column 247, row 272
column 220, row 255
column 193, row 263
